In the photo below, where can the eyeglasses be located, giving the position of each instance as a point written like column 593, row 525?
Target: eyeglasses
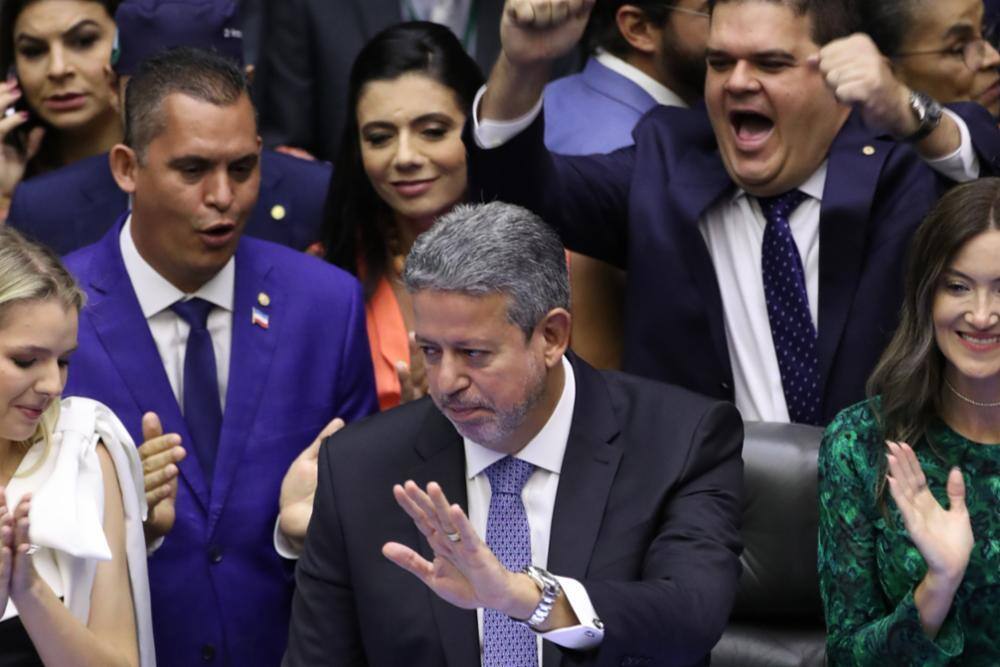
column 973, row 53
column 692, row 12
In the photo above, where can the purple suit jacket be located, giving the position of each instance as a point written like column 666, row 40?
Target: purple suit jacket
column 220, row 592
column 594, row 111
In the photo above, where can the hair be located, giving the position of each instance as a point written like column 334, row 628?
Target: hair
column 602, row 28
column 909, row 374
column 888, row 22
column 493, row 248
column 358, row 224
column 202, row 75
column 831, row 19
column 32, row 272
column 10, row 10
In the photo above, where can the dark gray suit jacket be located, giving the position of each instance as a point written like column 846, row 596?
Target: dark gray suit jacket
column 646, row 517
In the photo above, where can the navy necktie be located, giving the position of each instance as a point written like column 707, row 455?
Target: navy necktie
column 202, row 410
column 792, row 329
column 507, row 643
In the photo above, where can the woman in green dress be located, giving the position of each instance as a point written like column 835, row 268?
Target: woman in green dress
column 909, row 534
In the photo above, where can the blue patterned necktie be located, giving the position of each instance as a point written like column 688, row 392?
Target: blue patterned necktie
column 507, row 643
column 202, row 410
column 792, row 329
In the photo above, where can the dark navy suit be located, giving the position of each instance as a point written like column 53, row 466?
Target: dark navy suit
column 219, row 590
column 594, row 111
column 72, row 207
column 646, row 517
column 639, row 208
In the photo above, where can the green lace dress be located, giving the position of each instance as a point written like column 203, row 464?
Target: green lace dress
column 869, row 568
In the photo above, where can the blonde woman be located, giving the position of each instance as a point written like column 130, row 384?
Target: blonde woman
column 73, row 587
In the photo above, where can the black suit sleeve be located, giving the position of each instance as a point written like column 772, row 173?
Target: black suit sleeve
column 324, row 627
column 677, row 611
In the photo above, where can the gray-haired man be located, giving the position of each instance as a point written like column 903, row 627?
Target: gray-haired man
column 524, row 460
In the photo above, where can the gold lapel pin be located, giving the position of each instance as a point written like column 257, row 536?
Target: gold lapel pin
column 278, row 212
column 263, row 299
column 868, row 150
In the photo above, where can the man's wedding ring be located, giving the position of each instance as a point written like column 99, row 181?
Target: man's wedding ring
column 453, row 537
column 32, row 548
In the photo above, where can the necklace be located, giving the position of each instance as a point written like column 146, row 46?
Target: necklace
column 978, row 404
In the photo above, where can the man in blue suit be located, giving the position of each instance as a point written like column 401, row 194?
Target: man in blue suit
column 764, row 240
column 646, row 52
column 289, row 210
column 244, row 348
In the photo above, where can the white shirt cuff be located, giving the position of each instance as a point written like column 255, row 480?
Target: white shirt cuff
column 284, row 548
column 962, row 165
column 590, row 632
column 495, row 133
column 151, row 548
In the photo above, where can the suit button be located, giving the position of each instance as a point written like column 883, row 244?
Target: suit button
column 215, row 555
column 208, row 652
column 724, row 385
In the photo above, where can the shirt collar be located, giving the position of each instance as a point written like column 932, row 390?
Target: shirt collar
column 547, row 448
column 814, row 186
column 156, row 294
column 656, row 90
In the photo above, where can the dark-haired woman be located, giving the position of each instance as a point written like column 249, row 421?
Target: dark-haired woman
column 402, row 163
column 909, row 535
column 937, row 47
column 58, row 103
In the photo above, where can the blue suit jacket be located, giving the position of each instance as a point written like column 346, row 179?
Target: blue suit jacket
column 594, row 111
column 639, row 208
column 218, row 587
column 72, row 207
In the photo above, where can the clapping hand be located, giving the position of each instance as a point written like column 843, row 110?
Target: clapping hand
column 943, row 537
column 17, row 571
column 298, row 488
column 160, row 454
column 464, row 571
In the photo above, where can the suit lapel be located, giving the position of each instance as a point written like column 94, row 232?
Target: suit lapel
column 443, row 461
column 251, row 353
column 128, row 343
column 852, row 177
column 690, row 193
column 588, row 471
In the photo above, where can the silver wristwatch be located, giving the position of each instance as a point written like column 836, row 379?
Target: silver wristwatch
column 927, row 113
column 550, row 588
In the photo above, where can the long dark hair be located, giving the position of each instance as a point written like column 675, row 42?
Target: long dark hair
column 887, row 22
column 356, row 224
column 909, row 375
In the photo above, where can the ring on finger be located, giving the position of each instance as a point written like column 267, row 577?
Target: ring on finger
column 453, row 537
column 32, row 549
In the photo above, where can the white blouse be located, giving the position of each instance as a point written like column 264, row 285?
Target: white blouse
column 67, row 511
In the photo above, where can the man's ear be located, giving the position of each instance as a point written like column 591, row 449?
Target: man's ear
column 636, row 28
column 124, row 164
column 555, row 329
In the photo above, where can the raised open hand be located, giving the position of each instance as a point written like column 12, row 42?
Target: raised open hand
column 534, row 31
column 412, row 378
column 464, row 571
column 943, row 536
column 298, row 488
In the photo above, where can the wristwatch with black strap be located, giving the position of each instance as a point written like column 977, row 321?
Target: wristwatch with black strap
column 927, row 112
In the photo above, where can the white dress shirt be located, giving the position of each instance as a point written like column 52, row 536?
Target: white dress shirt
column 544, row 451
column 733, row 230
column 170, row 332
column 656, row 90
